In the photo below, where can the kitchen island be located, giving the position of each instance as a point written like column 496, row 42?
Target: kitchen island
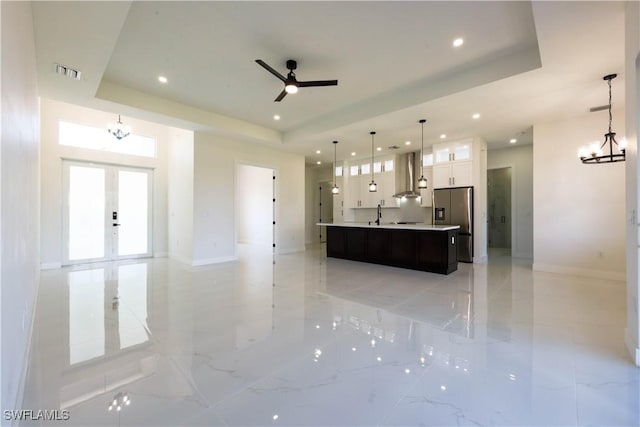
column 423, row 247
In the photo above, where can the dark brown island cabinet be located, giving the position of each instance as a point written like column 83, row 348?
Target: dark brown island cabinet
column 426, row 248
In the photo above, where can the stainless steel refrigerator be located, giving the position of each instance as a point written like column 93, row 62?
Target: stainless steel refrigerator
column 454, row 206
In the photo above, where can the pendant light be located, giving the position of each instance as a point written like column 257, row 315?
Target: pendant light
column 422, row 182
column 372, row 185
column 593, row 153
column 335, row 190
column 119, row 130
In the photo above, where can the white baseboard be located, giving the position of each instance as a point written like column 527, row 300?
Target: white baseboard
column 209, row 261
column 632, row 347
column 585, row 272
column 161, row 255
column 50, row 265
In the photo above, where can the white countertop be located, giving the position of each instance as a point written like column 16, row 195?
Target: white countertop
column 420, row 226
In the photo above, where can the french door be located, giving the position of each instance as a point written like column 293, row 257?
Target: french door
column 107, row 212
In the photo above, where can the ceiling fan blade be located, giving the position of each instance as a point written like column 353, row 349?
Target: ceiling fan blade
column 271, row 70
column 318, row 83
column 282, row 95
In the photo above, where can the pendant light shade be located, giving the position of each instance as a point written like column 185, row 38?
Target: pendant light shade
column 335, row 189
column 422, row 182
column 372, row 185
column 594, row 153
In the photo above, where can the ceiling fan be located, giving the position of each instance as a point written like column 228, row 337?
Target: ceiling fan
column 291, row 85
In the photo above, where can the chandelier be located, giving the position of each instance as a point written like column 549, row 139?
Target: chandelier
column 594, row 153
column 119, row 130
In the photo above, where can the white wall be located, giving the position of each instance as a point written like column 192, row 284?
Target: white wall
column 52, row 154
column 632, row 82
column 180, row 195
column 579, row 209
column 19, row 183
column 520, row 159
column 255, row 206
column 215, row 216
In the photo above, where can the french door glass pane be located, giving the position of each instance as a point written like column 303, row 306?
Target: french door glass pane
column 132, row 212
column 86, row 212
column 86, row 315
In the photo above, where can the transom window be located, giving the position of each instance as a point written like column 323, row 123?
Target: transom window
column 93, row 138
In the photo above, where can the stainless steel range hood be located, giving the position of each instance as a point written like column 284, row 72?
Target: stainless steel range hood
column 407, row 168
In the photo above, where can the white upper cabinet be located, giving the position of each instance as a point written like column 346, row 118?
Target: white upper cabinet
column 453, row 151
column 454, row 164
column 358, row 194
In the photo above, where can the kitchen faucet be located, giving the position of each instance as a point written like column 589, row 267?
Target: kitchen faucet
column 379, row 214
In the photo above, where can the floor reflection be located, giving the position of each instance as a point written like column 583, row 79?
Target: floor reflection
column 299, row 339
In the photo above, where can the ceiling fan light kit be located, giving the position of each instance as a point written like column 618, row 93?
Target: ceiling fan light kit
column 291, row 84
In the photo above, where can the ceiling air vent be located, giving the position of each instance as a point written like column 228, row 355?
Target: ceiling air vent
column 67, row 71
column 392, row 147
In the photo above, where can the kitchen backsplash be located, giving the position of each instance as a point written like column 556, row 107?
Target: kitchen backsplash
column 409, row 211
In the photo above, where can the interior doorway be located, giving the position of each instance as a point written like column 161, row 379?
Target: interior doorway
column 499, row 204
column 324, row 207
column 256, row 208
column 107, row 214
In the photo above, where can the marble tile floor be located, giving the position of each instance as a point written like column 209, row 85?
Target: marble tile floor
column 302, row 340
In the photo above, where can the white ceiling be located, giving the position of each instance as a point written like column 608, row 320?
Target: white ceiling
column 522, row 63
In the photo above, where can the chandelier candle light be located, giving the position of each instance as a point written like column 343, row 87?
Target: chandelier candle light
column 372, row 185
column 422, row 182
column 119, row 130
column 594, row 153
column 335, row 189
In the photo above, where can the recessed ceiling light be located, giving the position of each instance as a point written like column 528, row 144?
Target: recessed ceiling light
column 162, row 79
column 379, row 149
column 443, row 136
column 407, row 143
column 458, row 42
column 476, row 116
column 318, row 162
column 317, row 151
column 513, row 140
column 276, row 117
column 353, row 153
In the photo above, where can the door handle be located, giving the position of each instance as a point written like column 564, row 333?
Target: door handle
column 116, row 225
